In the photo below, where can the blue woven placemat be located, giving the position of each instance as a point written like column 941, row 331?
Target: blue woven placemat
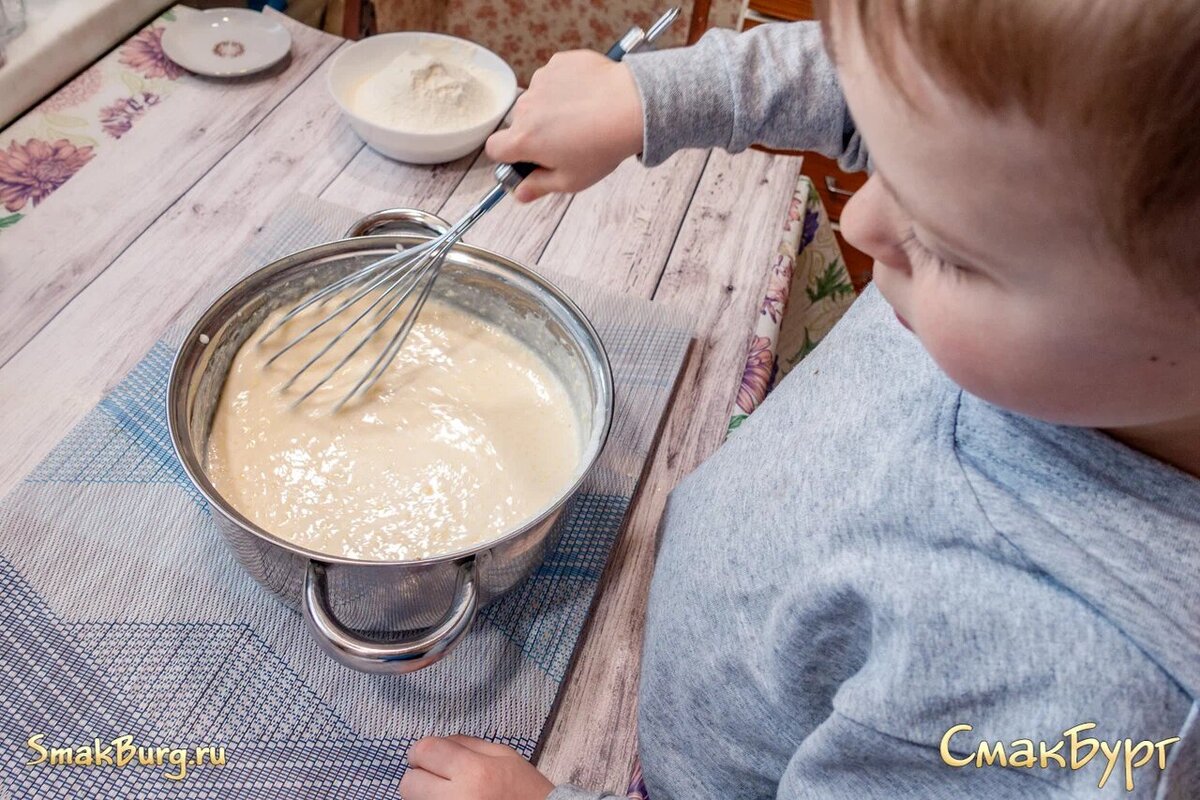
column 125, row 616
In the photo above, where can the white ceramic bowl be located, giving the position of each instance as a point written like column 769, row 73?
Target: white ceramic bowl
column 372, row 54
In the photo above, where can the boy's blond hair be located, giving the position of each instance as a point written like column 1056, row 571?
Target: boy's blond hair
column 1119, row 80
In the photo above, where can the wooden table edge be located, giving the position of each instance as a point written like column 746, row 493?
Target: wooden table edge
column 610, row 571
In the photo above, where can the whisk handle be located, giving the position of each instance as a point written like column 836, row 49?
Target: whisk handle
column 523, row 168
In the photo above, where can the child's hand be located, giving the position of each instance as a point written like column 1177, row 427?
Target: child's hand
column 580, row 118
column 466, row 768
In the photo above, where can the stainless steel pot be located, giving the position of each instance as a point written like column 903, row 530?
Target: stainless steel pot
column 390, row 616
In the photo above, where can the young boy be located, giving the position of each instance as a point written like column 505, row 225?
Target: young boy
column 977, row 502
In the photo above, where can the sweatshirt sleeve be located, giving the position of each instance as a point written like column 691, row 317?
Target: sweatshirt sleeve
column 773, row 85
column 569, row 792
column 845, row 760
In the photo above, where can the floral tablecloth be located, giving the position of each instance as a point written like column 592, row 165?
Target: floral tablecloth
column 47, row 146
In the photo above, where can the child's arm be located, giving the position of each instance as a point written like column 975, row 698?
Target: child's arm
column 583, row 114
column 774, row 85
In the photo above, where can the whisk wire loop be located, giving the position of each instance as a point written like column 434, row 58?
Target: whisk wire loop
column 390, row 263
column 399, row 279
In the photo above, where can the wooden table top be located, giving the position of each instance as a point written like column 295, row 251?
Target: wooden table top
column 91, row 279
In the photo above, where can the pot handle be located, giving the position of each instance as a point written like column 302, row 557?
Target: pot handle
column 411, row 219
column 391, row 657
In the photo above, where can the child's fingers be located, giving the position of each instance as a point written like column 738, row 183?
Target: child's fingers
column 481, row 746
column 508, row 146
column 540, row 182
column 418, row 784
column 497, row 145
column 442, row 757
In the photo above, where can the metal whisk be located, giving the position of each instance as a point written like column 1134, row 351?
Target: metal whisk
column 394, row 279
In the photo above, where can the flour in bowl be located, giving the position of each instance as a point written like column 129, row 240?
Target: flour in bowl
column 428, row 91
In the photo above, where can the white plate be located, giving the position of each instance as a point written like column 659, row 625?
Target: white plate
column 226, row 41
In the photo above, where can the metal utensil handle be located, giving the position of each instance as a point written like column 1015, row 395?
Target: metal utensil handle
column 633, row 39
column 388, row 657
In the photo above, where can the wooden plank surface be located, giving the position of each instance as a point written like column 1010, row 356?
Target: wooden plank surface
column 518, row 230
column 717, row 271
column 44, row 263
column 620, row 231
column 372, row 183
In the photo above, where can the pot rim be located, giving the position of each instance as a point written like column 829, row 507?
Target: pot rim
column 177, row 411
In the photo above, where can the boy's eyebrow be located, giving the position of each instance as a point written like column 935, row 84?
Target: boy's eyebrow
column 964, row 253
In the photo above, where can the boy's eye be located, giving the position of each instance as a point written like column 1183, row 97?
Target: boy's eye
column 918, row 253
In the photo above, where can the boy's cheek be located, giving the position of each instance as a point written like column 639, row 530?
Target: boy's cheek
column 960, row 357
column 1003, row 369
column 1041, row 360
column 998, row 351
column 1018, row 371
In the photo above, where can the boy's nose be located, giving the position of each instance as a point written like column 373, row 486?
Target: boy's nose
column 872, row 222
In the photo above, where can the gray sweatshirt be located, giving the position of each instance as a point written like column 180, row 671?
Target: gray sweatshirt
column 876, row 556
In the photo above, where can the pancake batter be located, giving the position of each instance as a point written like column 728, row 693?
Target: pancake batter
column 466, row 435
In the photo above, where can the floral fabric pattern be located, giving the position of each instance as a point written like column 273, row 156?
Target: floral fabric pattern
column 145, row 55
column 117, row 119
column 637, row 786
column 756, row 378
column 807, row 292
column 55, row 140
column 32, row 171
column 81, row 89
